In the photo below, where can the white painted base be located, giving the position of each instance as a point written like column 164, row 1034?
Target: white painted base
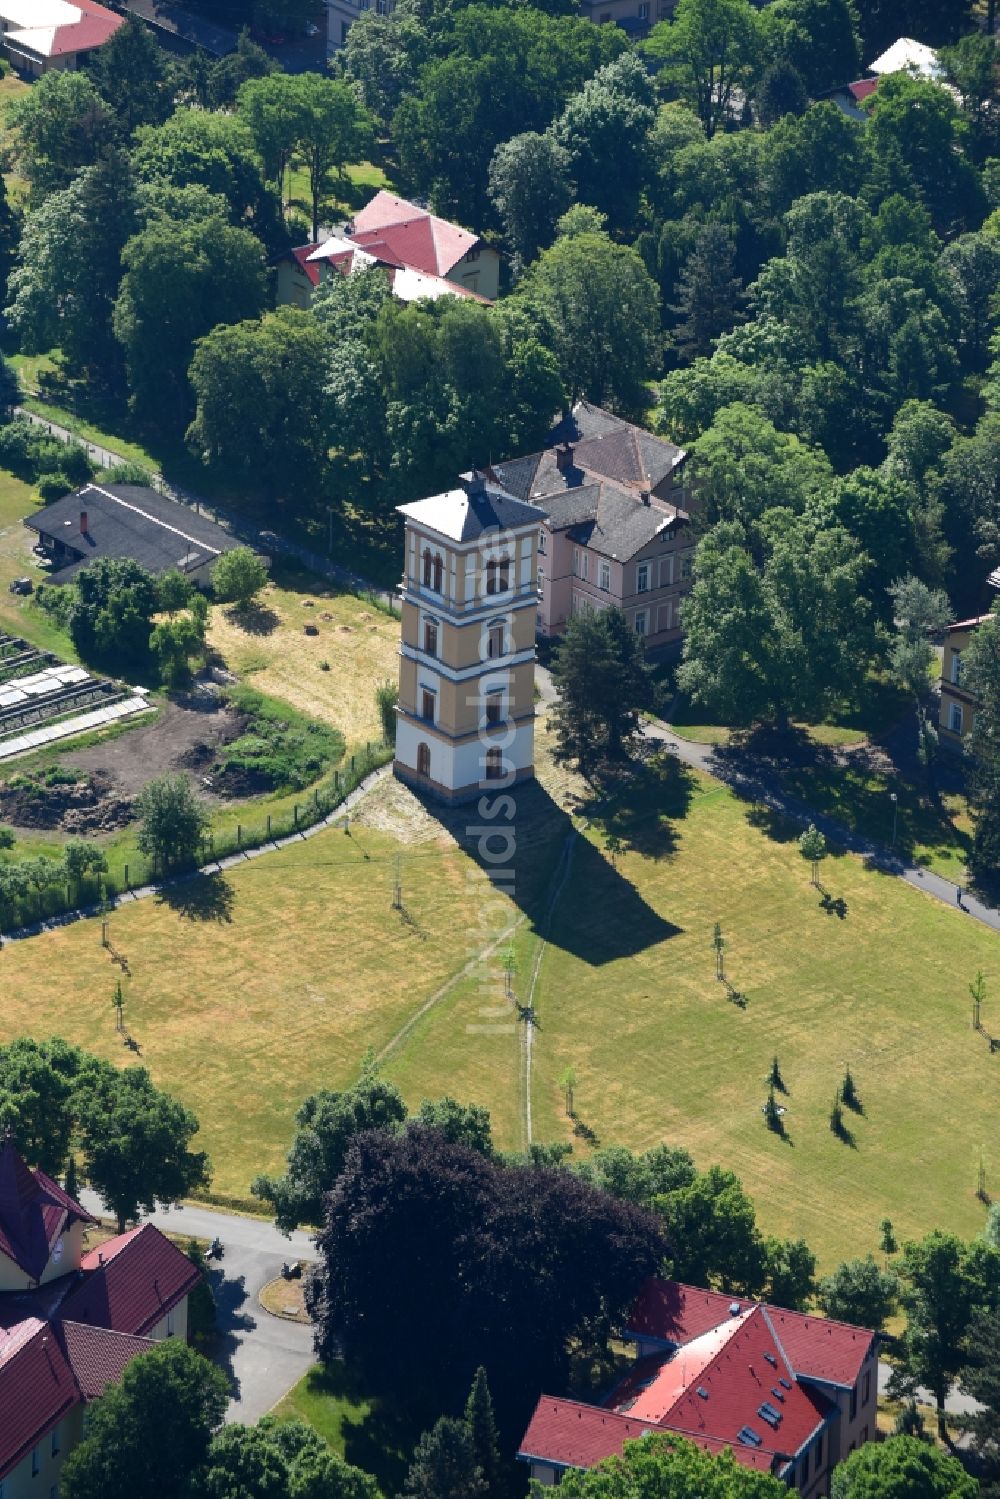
column 459, row 766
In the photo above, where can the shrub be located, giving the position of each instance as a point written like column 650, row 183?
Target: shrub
column 129, row 473
column 386, row 698
column 238, row 577
column 54, row 486
column 7, row 838
column 30, row 452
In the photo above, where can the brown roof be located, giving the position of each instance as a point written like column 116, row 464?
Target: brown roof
column 37, row 1388
column 97, row 1356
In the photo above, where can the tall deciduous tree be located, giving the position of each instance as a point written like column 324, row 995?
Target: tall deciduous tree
column 778, row 637
column 860, row 1293
column 600, row 671
column 598, row 307
column 70, row 266
column 531, row 187
column 902, row 1468
column 62, row 124
column 604, row 129
column 714, row 49
column 37, row 1102
column 668, row 1465
column 817, row 37
column 982, row 679
column 199, row 147
column 172, row 821
column 151, row 1432
column 254, row 380
column 135, row 1141
column 327, row 1123
column 334, row 129
column 180, row 281
column 506, row 1265
column 980, row 1379
column 271, row 108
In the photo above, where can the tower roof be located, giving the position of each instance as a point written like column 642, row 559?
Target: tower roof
column 468, row 513
column 34, row 1211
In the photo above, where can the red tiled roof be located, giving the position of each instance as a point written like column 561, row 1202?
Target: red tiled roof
column 416, row 237
column 572, row 1435
column 131, row 1282
column 863, row 88
column 97, row 1356
column 819, row 1348
column 816, row 1347
column 301, row 258
column 37, row 1388
column 34, row 1211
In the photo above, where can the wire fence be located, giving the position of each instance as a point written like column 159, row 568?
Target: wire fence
column 49, row 900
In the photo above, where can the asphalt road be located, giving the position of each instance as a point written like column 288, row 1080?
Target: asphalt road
column 262, row 1355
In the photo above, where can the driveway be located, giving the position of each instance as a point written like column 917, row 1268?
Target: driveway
column 263, row 1355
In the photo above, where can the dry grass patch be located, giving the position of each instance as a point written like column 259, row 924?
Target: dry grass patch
column 271, row 651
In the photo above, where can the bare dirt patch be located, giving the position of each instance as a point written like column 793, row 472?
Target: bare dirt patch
column 86, row 805
column 184, row 737
column 392, row 808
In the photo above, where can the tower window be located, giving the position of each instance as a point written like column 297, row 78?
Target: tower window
column 423, row 759
column 494, row 764
column 497, row 575
column 494, row 705
column 431, row 637
column 495, row 641
column 433, row 570
column 427, row 705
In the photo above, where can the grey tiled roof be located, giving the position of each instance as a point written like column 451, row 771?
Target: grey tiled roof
column 464, row 516
column 130, row 521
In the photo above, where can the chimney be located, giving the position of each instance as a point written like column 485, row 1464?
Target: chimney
column 644, row 496
column 83, row 522
column 473, row 483
column 564, row 457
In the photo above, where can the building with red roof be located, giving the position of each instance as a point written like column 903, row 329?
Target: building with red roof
column 70, row 1322
column 786, row 1393
column 422, row 255
column 42, row 35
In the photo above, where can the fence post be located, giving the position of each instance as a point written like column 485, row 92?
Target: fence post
column 295, row 811
column 126, row 878
column 239, row 835
column 336, row 780
column 352, row 762
column 269, row 825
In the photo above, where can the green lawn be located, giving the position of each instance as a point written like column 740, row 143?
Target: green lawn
column 256, row 990
column 375, row 1436
column 21, row 616
column 360, row 182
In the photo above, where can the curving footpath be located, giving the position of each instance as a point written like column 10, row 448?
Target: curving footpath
column 214, row 866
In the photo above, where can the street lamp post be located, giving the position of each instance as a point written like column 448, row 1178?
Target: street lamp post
column 895, row 811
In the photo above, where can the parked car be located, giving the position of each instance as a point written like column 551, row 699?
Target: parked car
column 22, row 586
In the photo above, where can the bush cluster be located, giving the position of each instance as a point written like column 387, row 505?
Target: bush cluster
column 56, row 467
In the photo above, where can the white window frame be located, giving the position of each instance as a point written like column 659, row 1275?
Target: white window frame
column 955, row 711
column 956, row 668
column 641, row 622
column 642, row 577
column 541, row 580
column 541, row 541
column 604, row 576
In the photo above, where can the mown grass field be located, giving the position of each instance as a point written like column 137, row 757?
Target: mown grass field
column 278, row 983
column 270, row 650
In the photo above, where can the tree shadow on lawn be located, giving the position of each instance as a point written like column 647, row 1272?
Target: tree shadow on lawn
column 638, row 804
column 381, row 1441
column 254, row 619
column 200, row 897
column 568, row 889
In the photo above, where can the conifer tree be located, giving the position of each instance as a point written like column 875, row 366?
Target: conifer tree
column 482, row 1426
column 708, row 294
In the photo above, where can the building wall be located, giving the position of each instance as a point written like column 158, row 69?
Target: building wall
column 38, row 1473
column 478, row 271
column 173, row 1325
column 293, row 288
column 460, row 675
column 640, row 14
column 957, row 705
column 566, row 591
column 65, row 1258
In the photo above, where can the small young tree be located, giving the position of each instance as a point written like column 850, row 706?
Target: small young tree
column 172, row 822
column 812, row 846
column 887, row 1238
column 444, row 1464
column 567, row 1082
column 719, row 943
column 977, row 990
column 71, row 1181
column 81, row 858
column 238, row 577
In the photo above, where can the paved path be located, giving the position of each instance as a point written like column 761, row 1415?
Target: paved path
column 263, row 1355
column 215, row 866
column 762, row 789
column 956, row 1404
